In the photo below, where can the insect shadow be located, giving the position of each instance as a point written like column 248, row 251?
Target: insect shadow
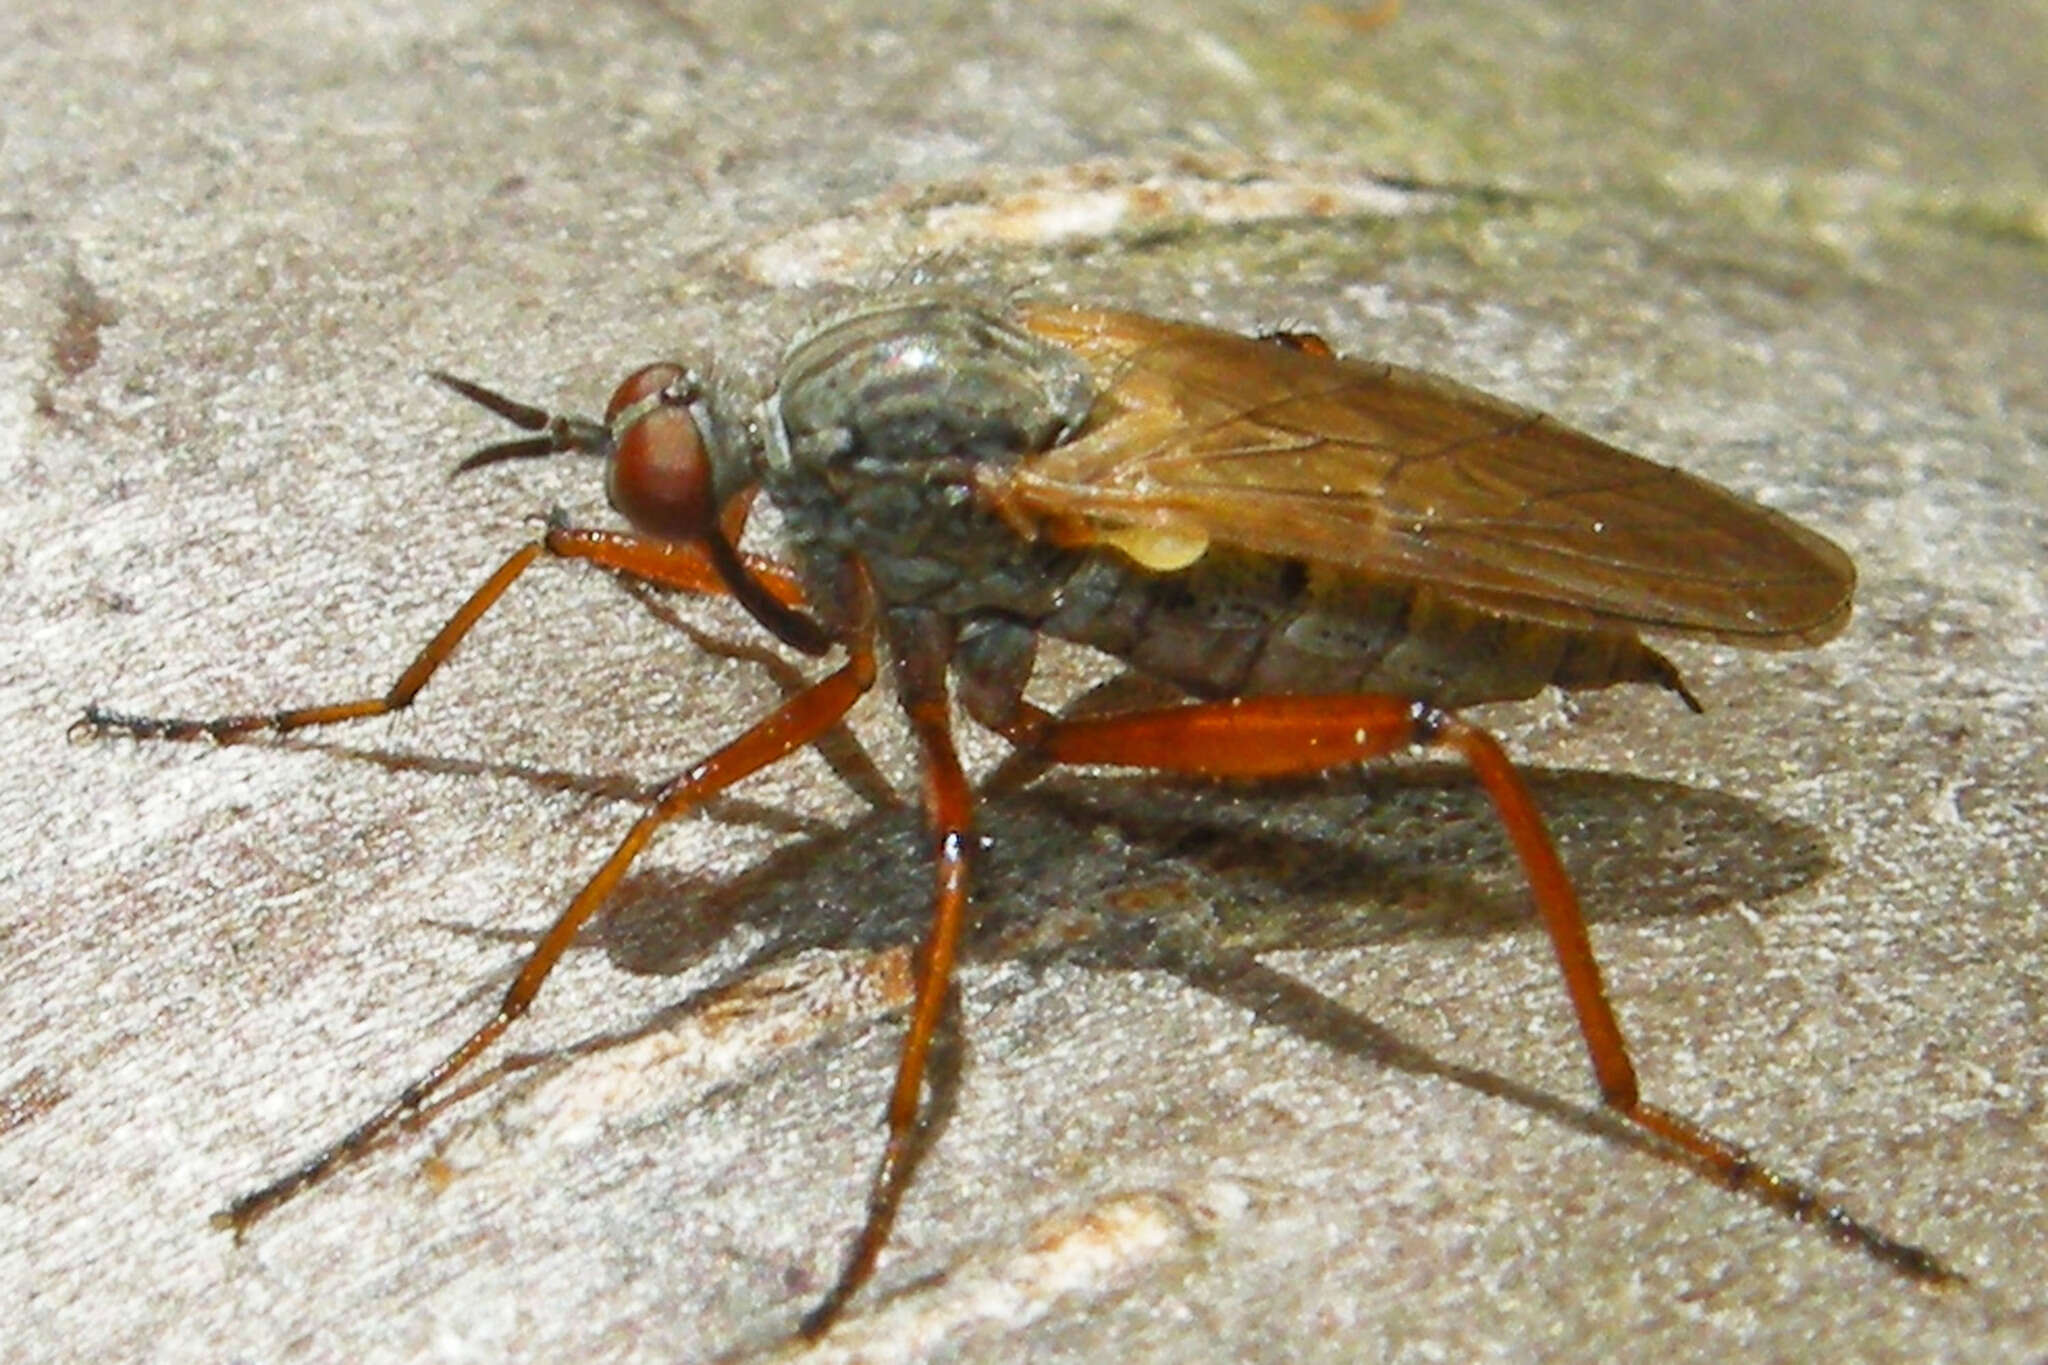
column 1094, row 869
column 1195, row 879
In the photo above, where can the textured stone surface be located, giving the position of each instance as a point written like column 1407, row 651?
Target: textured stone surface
column 1272, row 1074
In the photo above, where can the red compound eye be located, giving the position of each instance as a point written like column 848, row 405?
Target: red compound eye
column 660, row 473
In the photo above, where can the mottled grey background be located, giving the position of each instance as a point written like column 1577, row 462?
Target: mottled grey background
column 1273, row 1074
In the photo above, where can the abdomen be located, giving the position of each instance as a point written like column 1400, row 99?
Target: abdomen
column 1240, row 624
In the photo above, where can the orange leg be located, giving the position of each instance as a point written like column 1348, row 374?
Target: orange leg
column 681, row 565
column 685, row 567
column 949, row 808
column 796, row 723
column 1278, row 736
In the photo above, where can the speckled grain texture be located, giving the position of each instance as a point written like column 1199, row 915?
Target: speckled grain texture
column 1273, row 1075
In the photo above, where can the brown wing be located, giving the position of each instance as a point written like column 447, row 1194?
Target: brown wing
column 1203, row 437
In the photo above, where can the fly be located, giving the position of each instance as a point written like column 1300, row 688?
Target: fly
column 1325, row 555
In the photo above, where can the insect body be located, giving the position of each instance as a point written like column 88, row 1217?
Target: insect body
column 1244, row 517
column 1325, row 555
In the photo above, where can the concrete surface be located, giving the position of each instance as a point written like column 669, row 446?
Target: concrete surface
column 1244, row 1075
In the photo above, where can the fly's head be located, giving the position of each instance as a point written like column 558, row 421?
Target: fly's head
column 671, row 469
column 670, row 462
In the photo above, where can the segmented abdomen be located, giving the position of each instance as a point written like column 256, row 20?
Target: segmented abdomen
column 1241, row 624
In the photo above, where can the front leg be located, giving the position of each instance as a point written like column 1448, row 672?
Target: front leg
column 678, row 565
